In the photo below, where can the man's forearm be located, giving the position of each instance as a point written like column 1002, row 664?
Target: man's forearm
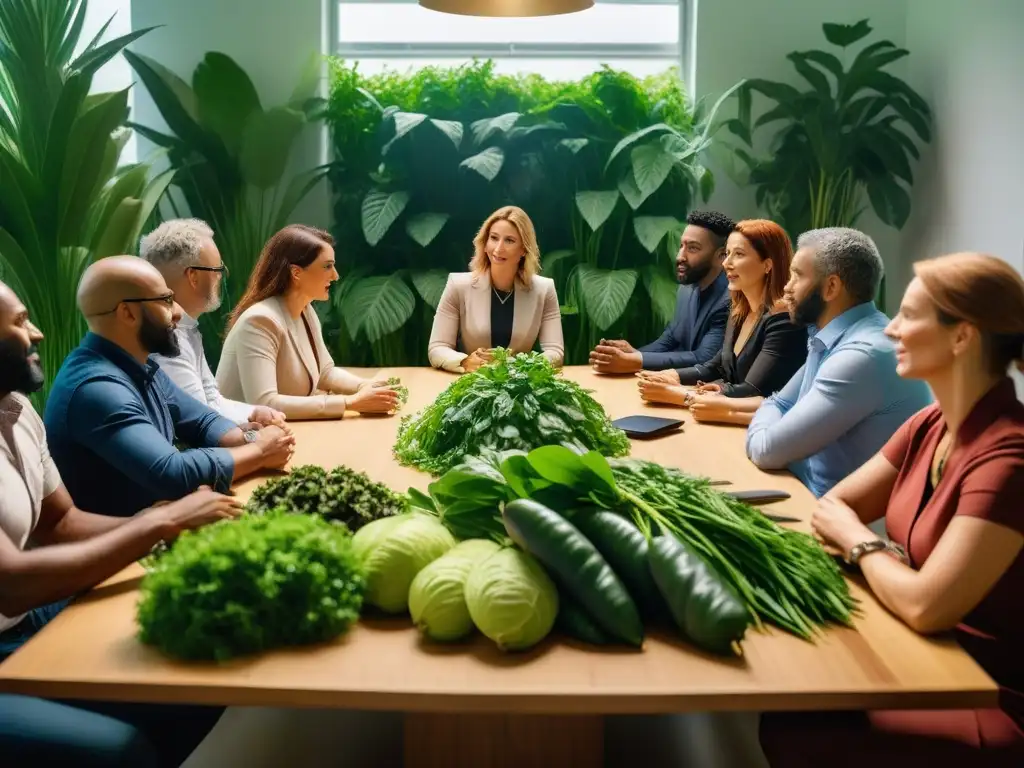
column 77, row 525
column 248, row 459
column 235, row 438
column 44, row 575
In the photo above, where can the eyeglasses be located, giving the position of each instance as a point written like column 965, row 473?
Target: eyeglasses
column 222, row 269
column 167, row 300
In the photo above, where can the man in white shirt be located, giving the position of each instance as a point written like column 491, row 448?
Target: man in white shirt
column 50, row 550
column 184, row 252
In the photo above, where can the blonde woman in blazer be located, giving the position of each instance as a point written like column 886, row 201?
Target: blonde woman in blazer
column 274, row 353
column 501, row 302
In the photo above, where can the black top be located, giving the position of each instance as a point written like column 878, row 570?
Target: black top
column 774, row 352
column 502, row 314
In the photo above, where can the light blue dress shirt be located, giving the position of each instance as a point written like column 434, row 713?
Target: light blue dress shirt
column 840, row 408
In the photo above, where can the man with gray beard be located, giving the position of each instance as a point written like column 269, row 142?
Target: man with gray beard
column 186, row 255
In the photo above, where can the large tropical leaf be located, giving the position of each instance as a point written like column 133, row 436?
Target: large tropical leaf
column 116, row 238
column 634, row 137
column 890, row 200
column 487, row 163
column 651, row 230
column 845, row 35
column 451, row 128
column 605, row 293
column 430, row 284
column 652, row 164
column 663, row 291
column 225, row 98
column 424, row 227
column 484, row 129
column 595, row 206
column 378, row 306
column 630, row 191
column 267, row 141
column 380, row 209
column 405, row 122
column 172, row 95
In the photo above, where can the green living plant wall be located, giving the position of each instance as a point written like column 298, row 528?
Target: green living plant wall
column 65, row 199
column 607, row 167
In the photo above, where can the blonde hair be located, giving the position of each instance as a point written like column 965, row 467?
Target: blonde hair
column 529, row 265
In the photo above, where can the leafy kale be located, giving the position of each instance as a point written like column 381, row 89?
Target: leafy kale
column 515, row 403
column 261, row 582
column 342, row 494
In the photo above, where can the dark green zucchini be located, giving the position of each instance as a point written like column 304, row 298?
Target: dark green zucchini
column 574, row 621
column 624, row 547
column 577, row 566
column 705, row 607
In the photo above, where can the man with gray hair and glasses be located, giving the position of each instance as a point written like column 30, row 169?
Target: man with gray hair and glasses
column 847, row 400
column 184, row 252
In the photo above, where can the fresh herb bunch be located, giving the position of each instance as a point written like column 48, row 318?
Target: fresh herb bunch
column 342, row 494
column 245, row 586
column 403, row 392
column 515, row 402
column 783, row 576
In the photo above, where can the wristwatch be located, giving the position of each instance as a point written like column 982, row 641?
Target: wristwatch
column 859, row 550
column 250, row 435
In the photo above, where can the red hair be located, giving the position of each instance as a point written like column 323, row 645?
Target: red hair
column 984, row 291
column 772, row 244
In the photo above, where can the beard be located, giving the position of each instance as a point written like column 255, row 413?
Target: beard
column 158, row 339
column 809, row 310
column 694, row 274
column 213, row 301
column 17, row 372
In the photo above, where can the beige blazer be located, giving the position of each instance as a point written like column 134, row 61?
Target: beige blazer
column 465, row 310
column 267, row 360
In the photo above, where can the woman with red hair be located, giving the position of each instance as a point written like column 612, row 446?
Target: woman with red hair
column 762, row 348
column 950, row 485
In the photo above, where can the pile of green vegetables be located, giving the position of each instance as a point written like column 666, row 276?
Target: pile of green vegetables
column 245, row 586
column 342, row 494
column 414, row 564
column 514, row 403
column 403, row 392
column 628, row 540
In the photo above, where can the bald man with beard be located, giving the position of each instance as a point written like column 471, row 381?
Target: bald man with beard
column 115, row 421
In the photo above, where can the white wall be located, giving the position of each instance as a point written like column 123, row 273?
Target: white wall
column 739, row 39
column 970, row 68
column 969, row 65
column 271, row 40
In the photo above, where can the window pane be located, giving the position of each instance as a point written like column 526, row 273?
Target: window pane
column 552, row 69
column 604, row 23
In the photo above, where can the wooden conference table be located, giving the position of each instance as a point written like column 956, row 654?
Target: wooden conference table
column 472, row 705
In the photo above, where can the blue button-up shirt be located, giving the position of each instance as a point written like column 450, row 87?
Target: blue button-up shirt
column 840, row 408
column 111, row 424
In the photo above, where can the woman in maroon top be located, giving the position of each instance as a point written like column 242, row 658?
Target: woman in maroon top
column 951, row 486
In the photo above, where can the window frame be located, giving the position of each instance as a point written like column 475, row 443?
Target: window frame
column 681, row 54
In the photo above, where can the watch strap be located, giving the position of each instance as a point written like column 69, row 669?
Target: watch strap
column 865, row 547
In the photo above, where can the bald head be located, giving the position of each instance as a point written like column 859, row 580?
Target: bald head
column 109, row 281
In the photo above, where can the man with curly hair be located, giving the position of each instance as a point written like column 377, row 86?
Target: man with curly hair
column 697, row 330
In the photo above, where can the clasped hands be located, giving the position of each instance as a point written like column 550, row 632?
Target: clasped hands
column 705, row 401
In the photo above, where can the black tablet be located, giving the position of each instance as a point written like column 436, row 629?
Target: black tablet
column 647, row 426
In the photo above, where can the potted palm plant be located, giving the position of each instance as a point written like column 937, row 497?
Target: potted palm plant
column 844, row 142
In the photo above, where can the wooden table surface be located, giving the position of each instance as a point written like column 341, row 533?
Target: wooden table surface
column 90, row 651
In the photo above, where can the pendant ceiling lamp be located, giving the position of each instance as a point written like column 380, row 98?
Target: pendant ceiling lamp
column 507, row 7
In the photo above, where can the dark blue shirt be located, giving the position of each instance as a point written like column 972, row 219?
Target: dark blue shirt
column 111, row 424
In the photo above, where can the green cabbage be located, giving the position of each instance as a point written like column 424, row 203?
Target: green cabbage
column 511, row 599
column 395, row 549
column 437, row 601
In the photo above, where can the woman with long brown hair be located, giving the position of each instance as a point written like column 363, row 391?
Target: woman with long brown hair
column 762, row 347
column 274, row 353
column 501, row 302
column 950, row 485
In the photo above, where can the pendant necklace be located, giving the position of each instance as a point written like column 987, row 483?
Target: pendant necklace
column 504, row 298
